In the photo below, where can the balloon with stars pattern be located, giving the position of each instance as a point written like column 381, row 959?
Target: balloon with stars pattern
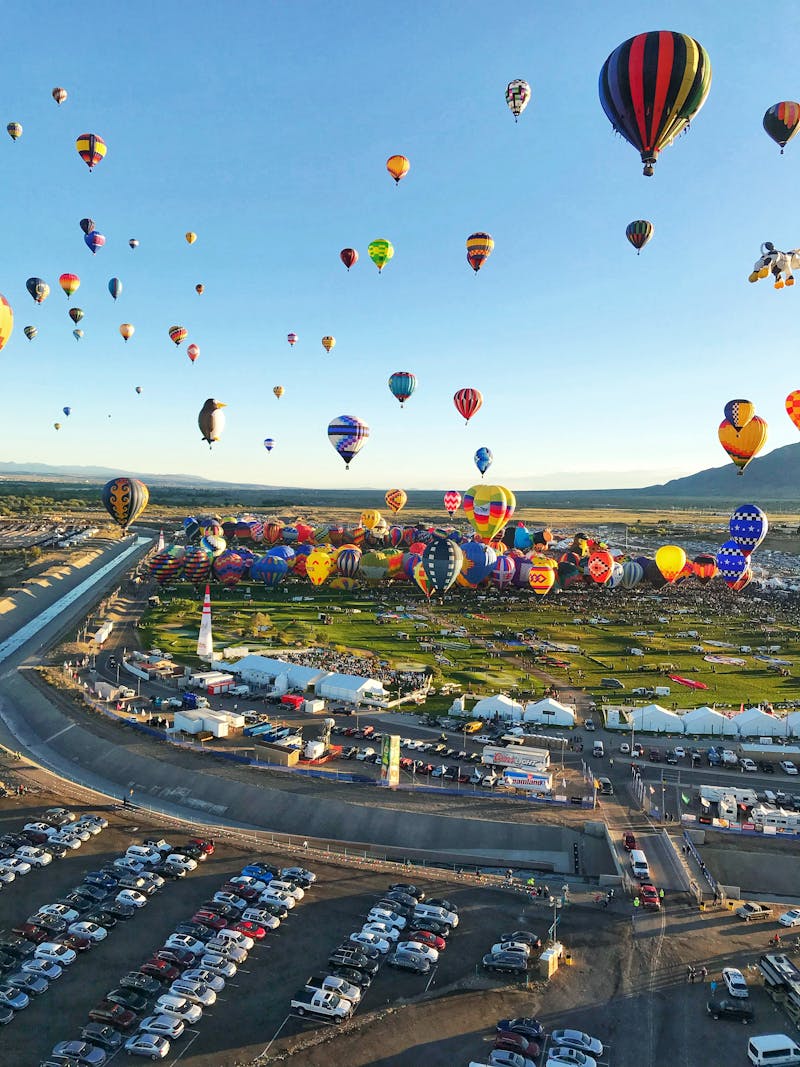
column 748, row 527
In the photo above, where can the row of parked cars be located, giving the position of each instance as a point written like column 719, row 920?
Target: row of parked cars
column 37, row 844
column 520, row 1042
column 512, row 953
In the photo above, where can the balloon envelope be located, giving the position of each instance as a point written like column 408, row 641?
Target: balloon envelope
column 402, row 384
column 483, row 459
column 731, row 562
column 479, row 248
column 670, row 560
column 115, row 287
column 739, row 413
column 467, row 402
column 91, row 148
column 518, row 96
column 452, row 501
column 349, row 257
column 639, row 233
column 348, row 435
column 782, row 121
column 746, row 444
column 488, row 508
column 441, row 562
column 380, row 252
column 125, row 499
column 748, row 527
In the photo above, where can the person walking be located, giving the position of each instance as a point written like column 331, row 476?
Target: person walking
column 712, row 985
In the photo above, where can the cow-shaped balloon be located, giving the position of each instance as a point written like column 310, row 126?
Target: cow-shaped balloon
column 779, row 264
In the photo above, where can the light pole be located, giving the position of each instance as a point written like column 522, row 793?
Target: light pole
column 556, row 906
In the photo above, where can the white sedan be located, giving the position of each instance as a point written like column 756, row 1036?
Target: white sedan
column 185, row 942
column 790, row 918
column 248, row 882
column 61, row 911
column 429, row 953
column 204, row 977
column 278, row 898
column 194, row 991
column 7, row 877
column 55, row 953
column 221, row 965
column 42, row 969
column 185, row 863
column 178, row 1008
column 566, row 1056
column 90, row 930
column 519, row 947
column 130, row 896
column 371, row 940
column 787, row 767
column 16, row 866
column 263, row 918
column 287, row 887
column 388, row 933
column 90, row 825
column 735, row 982
column 152, row 1046
column 67, row 839
column 162, row 1026
column 298, row 872
column 579, row 1040
column 383, row 915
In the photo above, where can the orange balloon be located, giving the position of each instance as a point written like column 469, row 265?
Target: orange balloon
column 398, row 167
column 793, row 407
column 744, row 445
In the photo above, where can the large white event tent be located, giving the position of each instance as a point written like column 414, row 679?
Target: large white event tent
column 499, row 706
column 549, row 712
column 653, row 719
column 708, row 722
column 793, row 723
column 755, row 722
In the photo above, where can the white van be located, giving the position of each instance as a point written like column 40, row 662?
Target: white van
column 598, row 751
column 773, row 1049
column 639, row 865
column 240, row 691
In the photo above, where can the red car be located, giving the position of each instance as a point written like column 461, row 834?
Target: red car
column 425, row 937
column 209, row 919
column 251, row 929
column 246, row 892
column 113, row 1015
column 649, row 895
column 628, row 842
column 205, row 844
column 511, row 1042
column 32, row 932
column 80, row 944
column 161, row 970
column 177, row 957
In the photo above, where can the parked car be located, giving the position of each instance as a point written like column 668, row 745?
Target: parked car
column 161, row 970
column 31, row 984
column 735, row 982
column 420, row 948
column 152, row 1046
column 55, row 953
column 164, row 870
column 33, row 932
column 505, row 962
column 127, row 998
column 41, row 968
column 205, row 977
column 196, row 992
column 81, row 1052
column 790, row 918
column 177, row 859
column 577, row 1039
column 11, row 997
column 408, row 960
column 566, row 1056
column 73, row 941
column 131, row 897
column 178, row 1008
column 788, row 767
column 387, row 933
column 105, row 1037
column 61, row 911
column 177, row 957
column 113, row 1015
column 503, row 1058
column 738, row 1010
column 90, row 930
column 370, row 940
column 752, row 909
column 220, row 965
column 434, row 926
column 300, row 875
column 525, row 1025
column 162, row 1026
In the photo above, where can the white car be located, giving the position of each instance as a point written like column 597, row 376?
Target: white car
column 68, row 840
column 226, row 949
column 204, row 977
column 278, row 898
column 512, row 946
column 286, row 887
column 130, row 896
column 679, row 751
column 195, row 991
column 76, row 830
column 152, row 1046
column 39, row 828
column 7, row 877
column 16, row 865
column 298, row 872
column 734, row 981
column 177, row 859
column 787, row 767
column 390, row 918
column 42, row 969
column 127, row 863
column 217, row 964
column 566, row 1056
column 178, row 1008
column 371, row 940
column 579, row 1040
column 429, row 953
column 61, row 911
column 98, row 820
column 625, row 748
column 91, row 825
column 790, row 918
column 263, row 918
column 388, row 933
column 748, row 766
column 363, row 753
column 248, row 882
column 184, row 941
column 342, row 988
column 222, row 897
column 90, row 930
column 55, row 953
column 162, row 1026
column 237, row 938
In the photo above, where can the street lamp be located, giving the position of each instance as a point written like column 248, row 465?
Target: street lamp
column 556, row 906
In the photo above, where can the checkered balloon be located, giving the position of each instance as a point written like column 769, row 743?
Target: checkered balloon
column 731, row 562
column 748, row 527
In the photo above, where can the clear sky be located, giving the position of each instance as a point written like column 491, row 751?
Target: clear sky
column 265, row 127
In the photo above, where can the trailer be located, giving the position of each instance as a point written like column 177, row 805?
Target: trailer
column 535, row 759
column 257, row 730
column 715, row 793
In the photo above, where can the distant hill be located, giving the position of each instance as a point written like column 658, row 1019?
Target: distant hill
column 772, row 479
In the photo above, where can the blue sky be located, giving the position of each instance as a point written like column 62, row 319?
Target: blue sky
column 266, row 131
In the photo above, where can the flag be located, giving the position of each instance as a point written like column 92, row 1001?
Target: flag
column 685, row 799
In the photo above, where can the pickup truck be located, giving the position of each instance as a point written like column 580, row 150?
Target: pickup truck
column 331, row 984
column 752, row 909
column 321, row 1003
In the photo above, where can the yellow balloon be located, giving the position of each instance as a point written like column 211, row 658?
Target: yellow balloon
column 670, row 560
column 191, row 237
column 370, row 518
column 319, row 565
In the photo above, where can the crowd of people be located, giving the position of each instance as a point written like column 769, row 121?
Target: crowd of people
column 366, row 666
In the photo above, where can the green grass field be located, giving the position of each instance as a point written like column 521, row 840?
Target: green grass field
column 273, row 621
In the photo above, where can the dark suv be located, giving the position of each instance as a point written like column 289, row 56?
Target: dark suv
column 738, row 1010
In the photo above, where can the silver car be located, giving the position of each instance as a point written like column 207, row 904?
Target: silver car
column 194, row 991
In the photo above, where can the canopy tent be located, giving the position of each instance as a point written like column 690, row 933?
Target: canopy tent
column 351, row 688
column 755, row 722
column 497, row 707
column 549, row 712
column 793, row 723
column 654, row 719
column 707, row 722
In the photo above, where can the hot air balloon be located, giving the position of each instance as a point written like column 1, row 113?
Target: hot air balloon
column 348, row 435
column 292, row 339
column 503, row 572
column 76, row 314
column 133, row 242
column 211, row 420
column 380, row 252
column 30, row 332
column 93, row 241
column 177, row 334
column 488, row 508
column 739, row 413
column 200, row 288
column 269, row 443
column 115, row 287
column 328, row 343
column 370, row 518
column 349, row 257
column 38, row 288
column 6, row 322
column 193, row 351
column 781, row 122
column 77, row 334
column 191, row 237
column 125, row 499
column 670, row 560
column 14, row 130
column 479, row 248
column 396, row 500
column 639, row 233
column 731, row 562
column 67, row 411
column 402, row 384
column 441, row 562
column 632, row 573
column 744, row 445
column 127, row 330
column 139, row 390
column 600, row 565
column 91, row 149
column 87, row 225
column 59, row 95
column 348, row 560
column 483, row 459
column 705, row 567
column 748, row 526
column 651, row 87
column 56, row 425
column 398, row 167
column 467, row 402
column 70, row 283
column 452, row 501
column 542, row 578
column 319, row 565
column 518, row 96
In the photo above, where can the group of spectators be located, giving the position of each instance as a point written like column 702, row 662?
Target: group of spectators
column 364, row 666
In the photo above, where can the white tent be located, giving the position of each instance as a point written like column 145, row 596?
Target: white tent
column 499, row 706
column 653, row 719
column 549, row 712
column 793, row 720
column 350, row 688
column 754, row 722
column 706, row 722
